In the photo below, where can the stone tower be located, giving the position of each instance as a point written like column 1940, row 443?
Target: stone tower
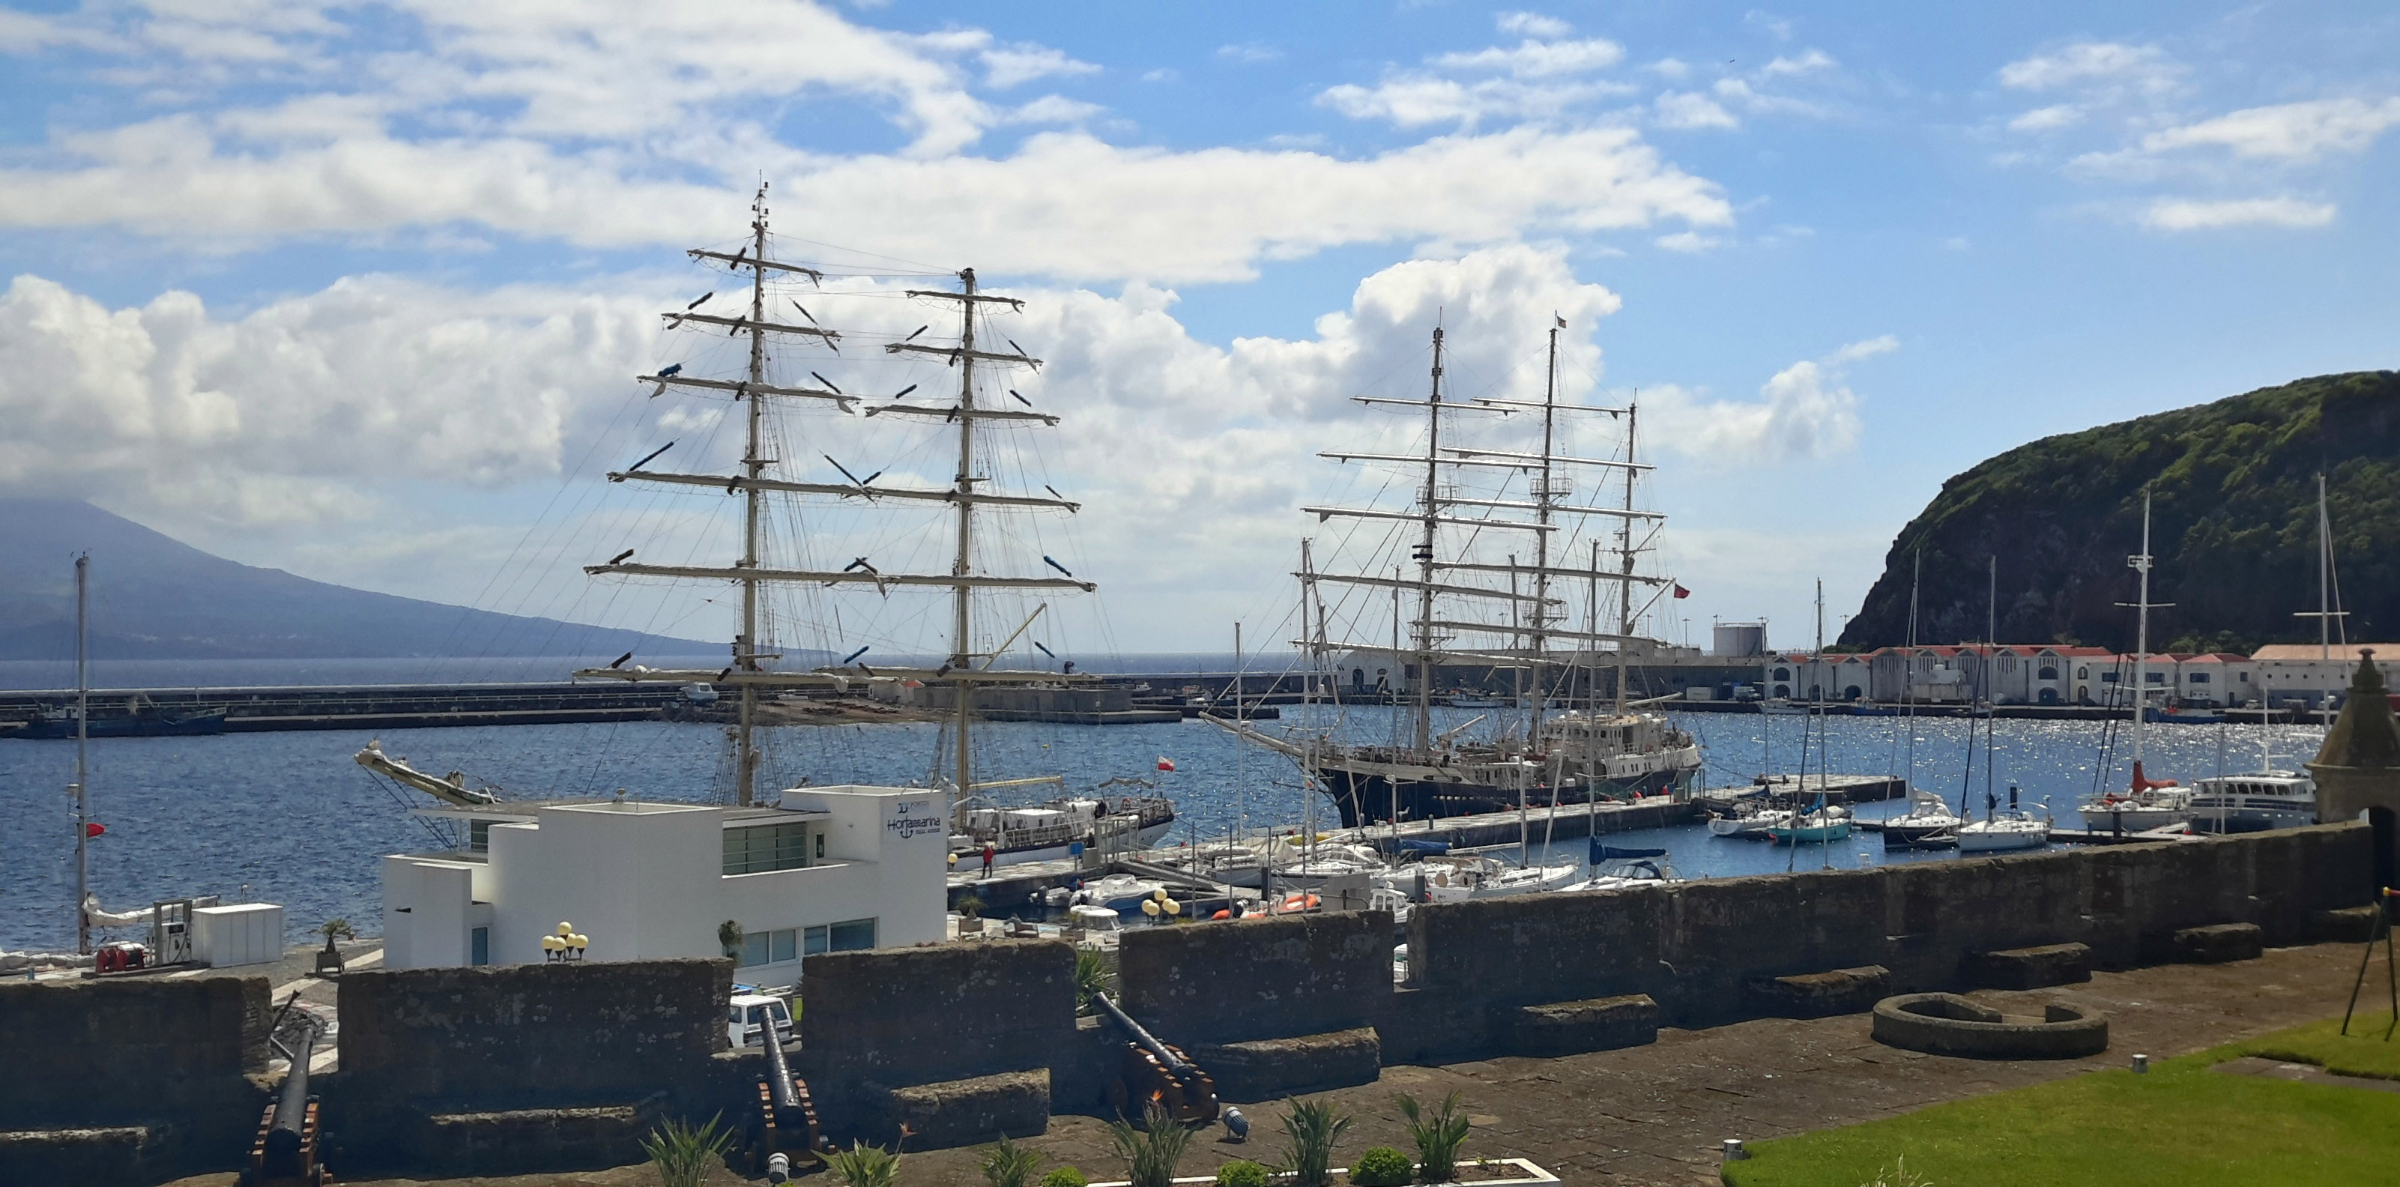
column 2358, row 768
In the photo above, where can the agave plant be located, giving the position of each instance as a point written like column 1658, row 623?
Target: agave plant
column 864, row 1166
column 1151, row 1152
column 1091, row 977
column 1310, row 1130
column 682, row 1152
column 1438, row 1135
column 1008, row 1164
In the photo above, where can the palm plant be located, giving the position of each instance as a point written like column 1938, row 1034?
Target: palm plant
column 683, row 1152
column 1091, row 977
column 864, row 1166
column 1008, row 1164
column 1310, row 1129
column 1438, row 1135
column 1151, row 1152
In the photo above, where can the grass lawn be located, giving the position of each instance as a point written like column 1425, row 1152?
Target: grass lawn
column 2181, row 1125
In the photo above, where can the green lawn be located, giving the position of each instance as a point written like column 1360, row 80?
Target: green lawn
column 2179, row 1126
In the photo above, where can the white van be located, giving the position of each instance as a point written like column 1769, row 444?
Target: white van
column 750, row 1013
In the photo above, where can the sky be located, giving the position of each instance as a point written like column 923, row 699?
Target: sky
column 358, row 290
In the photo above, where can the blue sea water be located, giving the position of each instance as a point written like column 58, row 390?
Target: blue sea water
column 289, row 818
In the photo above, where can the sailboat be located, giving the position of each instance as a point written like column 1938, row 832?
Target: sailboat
column 2146, row 803
column 1467, row 511
column 782, row 355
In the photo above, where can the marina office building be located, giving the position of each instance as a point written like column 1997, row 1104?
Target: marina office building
column 822, row 869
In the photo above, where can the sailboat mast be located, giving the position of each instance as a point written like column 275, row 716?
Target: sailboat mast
column 1433, row 470
column 961, row 646
column 2141, row 643
column 83, row 717
column 1541, row 540
column 754, row 463
column 1625, row 560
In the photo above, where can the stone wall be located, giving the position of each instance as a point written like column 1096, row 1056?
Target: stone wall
column 1257, row 979
column 131, row 1080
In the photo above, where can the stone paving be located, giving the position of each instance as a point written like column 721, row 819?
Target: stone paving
column 1655, row 1115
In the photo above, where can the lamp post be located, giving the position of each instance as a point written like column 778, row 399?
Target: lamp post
column 565, row 946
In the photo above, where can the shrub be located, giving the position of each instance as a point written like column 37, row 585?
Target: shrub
column 1091, row 976
column 682, row 1153
column 1065, row 1176
column 864, row 1166
column 1382, row 1167
column 1151, row 1152
column 1008, row 1164
column 1310, row 1129
column 1438, row 1135
column 1241, row 1174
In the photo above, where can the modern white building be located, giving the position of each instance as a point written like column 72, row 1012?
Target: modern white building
column 2308, row 673
column 823, row 869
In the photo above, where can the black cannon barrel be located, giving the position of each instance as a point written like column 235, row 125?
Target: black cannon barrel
column 291, row 1108
column 779, row 1073
column 1148, row 1042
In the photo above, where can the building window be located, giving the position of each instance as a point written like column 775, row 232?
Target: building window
column 2046, row 674
column 853, row 935
column 1783, row 673
column 2084, row 673
column 820, row 846
column 761, row 848
column 2245, row 677
column 2108, row 677
column 2199, row 677
column 479, row 946
column 769, row 947
column 815, row 939
column 479, row 836
column 2158, row 677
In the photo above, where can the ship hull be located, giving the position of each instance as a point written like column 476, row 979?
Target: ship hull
column 1368, row 797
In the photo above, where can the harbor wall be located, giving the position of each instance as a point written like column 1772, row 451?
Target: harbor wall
column 129, row 1081
column 1258, row 979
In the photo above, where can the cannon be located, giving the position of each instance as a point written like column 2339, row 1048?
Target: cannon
column 787, row 1118
column 1153, row 1070
column 284, row 1154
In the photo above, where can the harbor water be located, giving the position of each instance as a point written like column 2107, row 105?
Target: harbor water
column 289, row 818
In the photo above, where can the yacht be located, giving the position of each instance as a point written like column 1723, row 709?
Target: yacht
column 2004, row 832
column 2253, row 803
column 2139, row 810
column 1827, row 823
column 1928, row 824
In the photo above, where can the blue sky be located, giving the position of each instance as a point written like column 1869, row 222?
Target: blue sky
column 353, row 289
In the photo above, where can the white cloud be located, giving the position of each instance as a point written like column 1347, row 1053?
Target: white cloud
column 1670, row 68
column 1416, row 100
column 2138, row 67
column 2286, row 132
column 1810, row 62
column 1537, row 59
column 1532, row 24
column 1688, row 241
column 1250, row 52
column 1689, row 109
column 2185, row 214
column 1805, row 412
column 1007, row 66
column 2043, row 119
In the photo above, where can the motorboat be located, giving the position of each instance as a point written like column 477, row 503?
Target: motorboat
column 1121, row 893
column 1928, row 824
column 1515, row 880
column 2004, row 832
column 2252, row 803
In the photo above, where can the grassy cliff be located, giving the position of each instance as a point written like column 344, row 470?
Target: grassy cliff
column 2234, row 527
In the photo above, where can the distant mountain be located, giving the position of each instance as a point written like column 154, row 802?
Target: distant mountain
column 155, row 598
column 2234, row 527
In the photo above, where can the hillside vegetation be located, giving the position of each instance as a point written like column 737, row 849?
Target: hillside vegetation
column 2234, row 527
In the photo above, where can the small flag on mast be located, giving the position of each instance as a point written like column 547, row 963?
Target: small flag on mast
column 1681, row 592
column 1165, row 763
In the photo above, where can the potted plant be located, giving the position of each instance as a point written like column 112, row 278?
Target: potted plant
column 334, row 931
column 1151, row 1152
column 729, row 937
column 864, row 1166
column 682, row 1153
column 1438, row 1134
column 1008, row 1164
column 970, row 915
column 1310, row 1129
column 1382, row 1167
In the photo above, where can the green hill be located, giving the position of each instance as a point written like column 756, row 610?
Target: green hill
column 2233, row 527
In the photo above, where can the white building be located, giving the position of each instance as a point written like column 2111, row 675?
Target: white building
column 2308, row 673
column 824, row 869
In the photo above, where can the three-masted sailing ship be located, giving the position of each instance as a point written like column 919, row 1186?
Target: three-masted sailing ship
column 773, row 466
column 1490, row 536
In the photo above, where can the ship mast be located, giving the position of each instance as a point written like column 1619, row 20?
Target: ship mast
column 746, row 673
column 1625, row 569
column 1546, row 501
column 1432, row 509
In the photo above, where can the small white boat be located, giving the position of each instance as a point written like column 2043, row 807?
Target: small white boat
column 2004, row 832
column 2137, row 811
column 1120, row 893
column 2253, row 802
column 1525, row 880
column 1744, row 821
column 1782, row 706
column 1928, row 824
column 1826, row 824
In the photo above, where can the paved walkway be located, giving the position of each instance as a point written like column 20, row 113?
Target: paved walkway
column 1655, row 1115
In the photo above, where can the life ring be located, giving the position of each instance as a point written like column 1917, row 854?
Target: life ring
column 1301, row 902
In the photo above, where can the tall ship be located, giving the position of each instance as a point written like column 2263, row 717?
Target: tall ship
column 831, row 563
column 1479, row 569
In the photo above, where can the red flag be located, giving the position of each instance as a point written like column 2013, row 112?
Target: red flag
column 94, row 828
column 1681, row 592
column 1165, row 763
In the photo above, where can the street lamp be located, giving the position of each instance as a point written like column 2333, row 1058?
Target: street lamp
column 565, row 946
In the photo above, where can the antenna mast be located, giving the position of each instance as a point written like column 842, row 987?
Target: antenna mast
column 83, row 718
